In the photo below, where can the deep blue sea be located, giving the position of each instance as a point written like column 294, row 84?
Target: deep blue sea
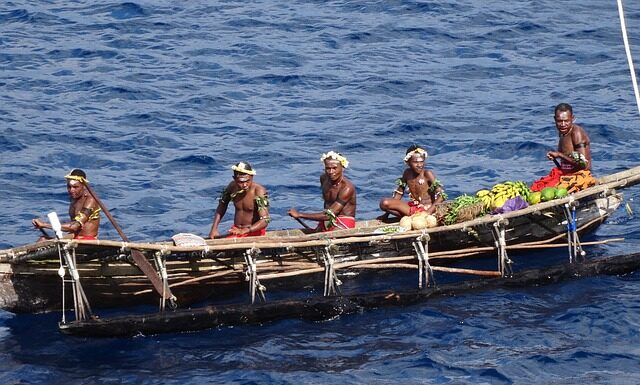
column 157, row 99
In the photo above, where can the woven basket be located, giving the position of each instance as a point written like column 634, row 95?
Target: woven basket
column 465, row 214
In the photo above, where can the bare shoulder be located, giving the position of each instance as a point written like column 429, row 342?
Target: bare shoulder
column 89, row 202
column 349, row 183
column 579, row 134
column 259, row 189
column 430, row 175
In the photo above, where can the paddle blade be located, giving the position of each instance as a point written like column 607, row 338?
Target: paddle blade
column 55, row 223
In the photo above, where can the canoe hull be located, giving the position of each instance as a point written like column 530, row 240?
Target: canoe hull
column 109, row 279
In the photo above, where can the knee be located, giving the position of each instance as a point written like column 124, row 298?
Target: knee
column 384, row 204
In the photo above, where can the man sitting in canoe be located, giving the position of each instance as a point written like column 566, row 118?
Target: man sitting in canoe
column 251, row 202
column 339, row 196
column 424, row 189
column 573, row 172
column 84, row 211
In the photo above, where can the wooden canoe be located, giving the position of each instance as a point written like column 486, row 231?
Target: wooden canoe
column 30, row 280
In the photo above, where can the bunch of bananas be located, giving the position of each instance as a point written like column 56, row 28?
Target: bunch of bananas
column 502, row 192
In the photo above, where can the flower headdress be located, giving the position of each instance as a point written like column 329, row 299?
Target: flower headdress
column 336, row 156
column 416, row 151
column 244, row 168
column 77, row 175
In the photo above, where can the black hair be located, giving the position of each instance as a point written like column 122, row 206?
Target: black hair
column 78, row 172
column 413, row 147
column 563, row 107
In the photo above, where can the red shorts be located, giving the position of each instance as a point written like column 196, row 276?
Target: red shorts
column 257, row 233
column 342, row 223
column 415, row 208
column 85, row 237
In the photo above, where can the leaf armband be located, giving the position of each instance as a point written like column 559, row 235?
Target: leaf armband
column 332, row 218
column 402, row 186
column 437, row 189
column 579, row 159
column 262, row 202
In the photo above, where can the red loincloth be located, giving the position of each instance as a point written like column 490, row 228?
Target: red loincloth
column 257, row 233
column 85, row 237
column 342, row 223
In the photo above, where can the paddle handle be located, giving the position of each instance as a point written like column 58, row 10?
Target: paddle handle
column 306, row 226
column 556, row 162
column 139, row 259
column 106, row 212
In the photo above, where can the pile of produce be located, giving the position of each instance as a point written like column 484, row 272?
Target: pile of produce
column 547, row 194
column 502, row 192
column 463, row 208
column 418, row 221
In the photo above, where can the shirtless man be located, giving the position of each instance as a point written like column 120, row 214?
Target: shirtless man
column 339, row 196
column 424, row 189
column 574, row 150
column 84, row 211
column 251, row 204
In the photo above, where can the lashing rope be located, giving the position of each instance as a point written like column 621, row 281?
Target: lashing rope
column 421, row 246
column 251, row 275
column 331, row 281
column 499, row 236
column 576, row 253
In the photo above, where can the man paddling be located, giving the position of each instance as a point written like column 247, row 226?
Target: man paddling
column 84, row 211
column 251, row 204
column 573, row 170
column 339, row 196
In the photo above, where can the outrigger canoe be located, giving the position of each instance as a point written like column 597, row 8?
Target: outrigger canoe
column 85, row 275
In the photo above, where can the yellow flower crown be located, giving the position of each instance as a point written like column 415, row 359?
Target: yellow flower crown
column 416, row 152
column 336, row 156
column 243, row 168
column 76, row 177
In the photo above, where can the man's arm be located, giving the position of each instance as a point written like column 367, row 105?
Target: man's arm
column 88, row 212
column 69, row 227
column 220, row 211
column 335, row 208
column 401, row 184
column 223, row 204
column 582, row 146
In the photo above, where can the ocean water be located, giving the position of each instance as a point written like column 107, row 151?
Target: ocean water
column 156, row 100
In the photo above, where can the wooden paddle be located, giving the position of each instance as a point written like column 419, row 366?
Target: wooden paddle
column 306, row 226
column 138, row 258
column 44, row 232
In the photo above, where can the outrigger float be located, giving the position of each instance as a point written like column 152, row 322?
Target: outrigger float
column 103, row 274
